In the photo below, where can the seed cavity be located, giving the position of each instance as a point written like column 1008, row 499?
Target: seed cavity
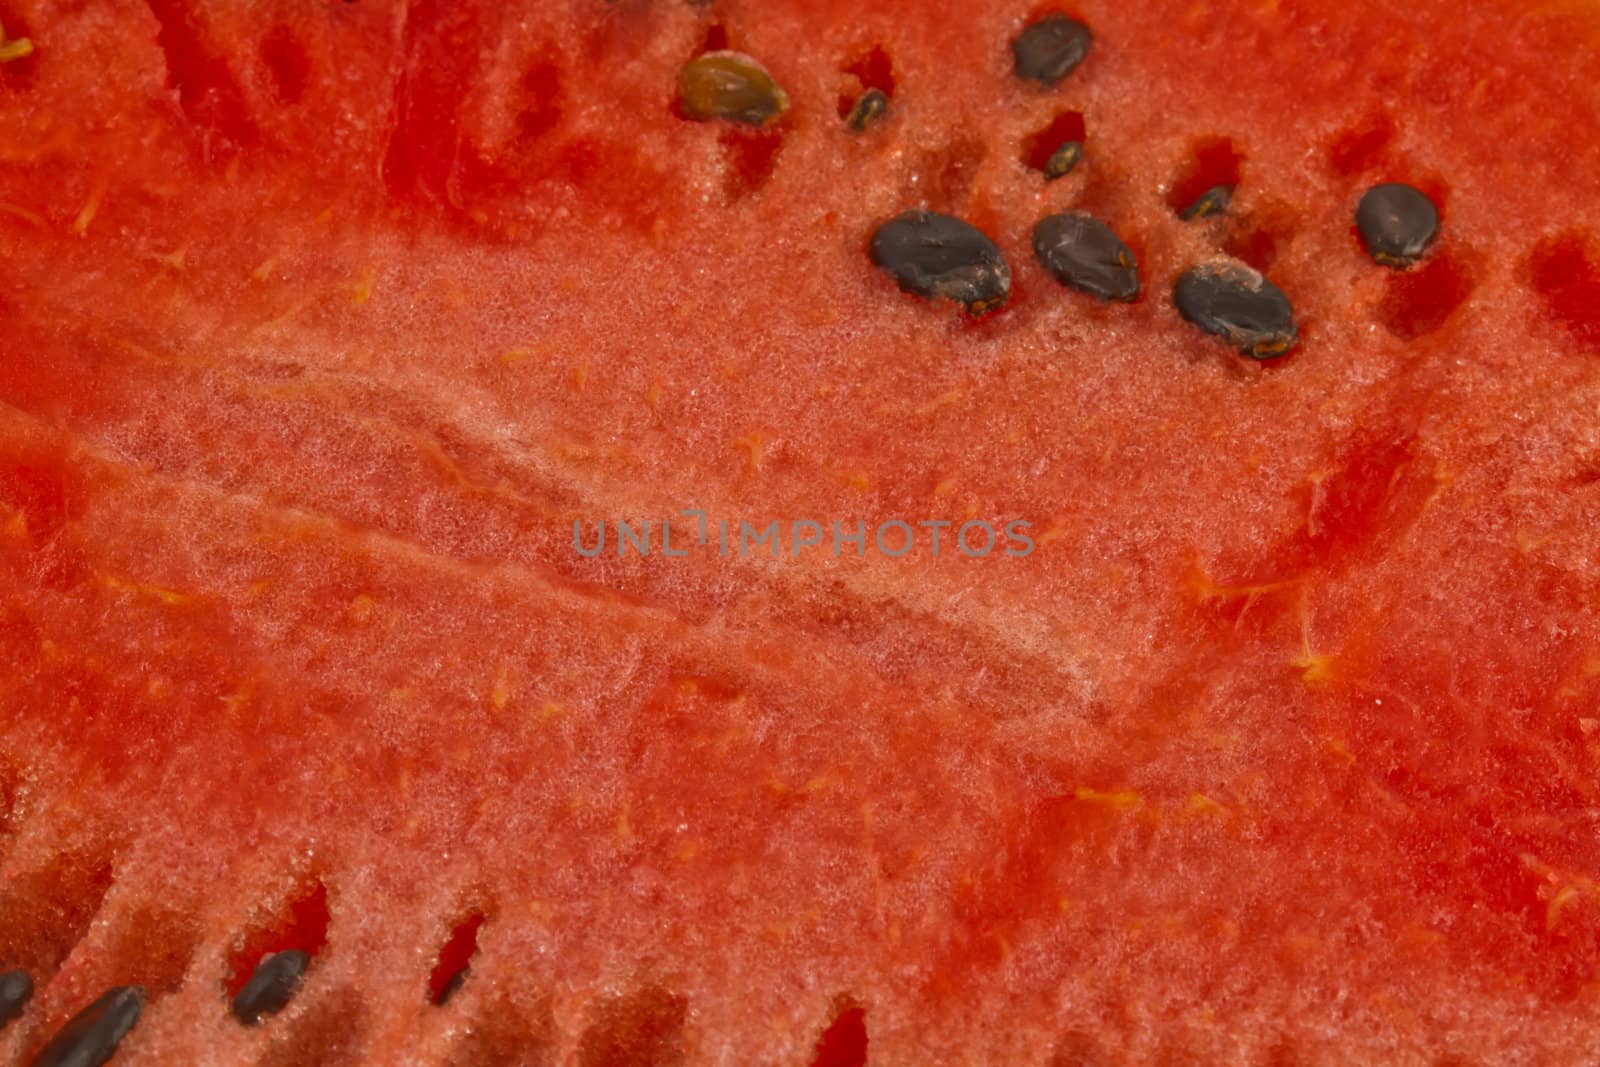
column 1049, row 49
column 939, row 256
column 270, row 986
column 1083, row 253
column 1397, row 223
column 1214, row 201
column 454, row 965
column 844, row 1043
column 91, row 1037
column 16, row 989
column 869, row 107
column 1240, row 306
column 1215, row 161
column 869, row 76
column 730, row 86
column 1058, row 147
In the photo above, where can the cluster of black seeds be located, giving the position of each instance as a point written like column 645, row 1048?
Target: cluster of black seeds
column 91, row 1037
column 943, row 257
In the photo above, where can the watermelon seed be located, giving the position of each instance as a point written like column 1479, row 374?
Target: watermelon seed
column 1063, row 159
column 1397, row 223
column 1082, row 252
column 1214, row 201
column 1240, row 306
column 91, row 1037
column 939, row 256
column 731, row 86
column 16, row 989
column 1051, row 48
column 453, row 986
column 869, row 108
column 270, row 986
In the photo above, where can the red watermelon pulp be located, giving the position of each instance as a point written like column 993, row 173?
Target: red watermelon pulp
column 323, row 323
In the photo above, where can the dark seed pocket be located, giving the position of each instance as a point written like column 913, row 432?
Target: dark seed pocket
column 869, row 108
column 1214, row 201
column 271, row 986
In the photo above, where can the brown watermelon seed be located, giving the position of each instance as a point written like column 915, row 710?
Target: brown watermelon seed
column 91, row 1037
column 1063, row 159
column 1397, row 223
column 1083, row 253
column 1051, row 48
column 16, row 989
column 1214, row 201
column 869, row 108
column 271, row 985
column 939, row 256
column 731, row 86
column 1240, row 306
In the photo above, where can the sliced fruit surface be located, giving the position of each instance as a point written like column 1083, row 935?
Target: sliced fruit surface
column 324, row 323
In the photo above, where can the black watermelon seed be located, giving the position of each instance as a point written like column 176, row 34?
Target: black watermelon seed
column 1397, row 223
column 1082, row 252
column 1063, row 159
column 453, row 986
column 1214, row 201
column 732, row 86
column 1048, row 50
column 869, row 108
column 270, row 986
column 91, row 1037
column 16, row 989
column 1238, row 305
column 935, row 255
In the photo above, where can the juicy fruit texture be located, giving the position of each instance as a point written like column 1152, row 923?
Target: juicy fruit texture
column 323, row 323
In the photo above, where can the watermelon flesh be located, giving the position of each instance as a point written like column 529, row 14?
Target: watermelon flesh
column 324, row 324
